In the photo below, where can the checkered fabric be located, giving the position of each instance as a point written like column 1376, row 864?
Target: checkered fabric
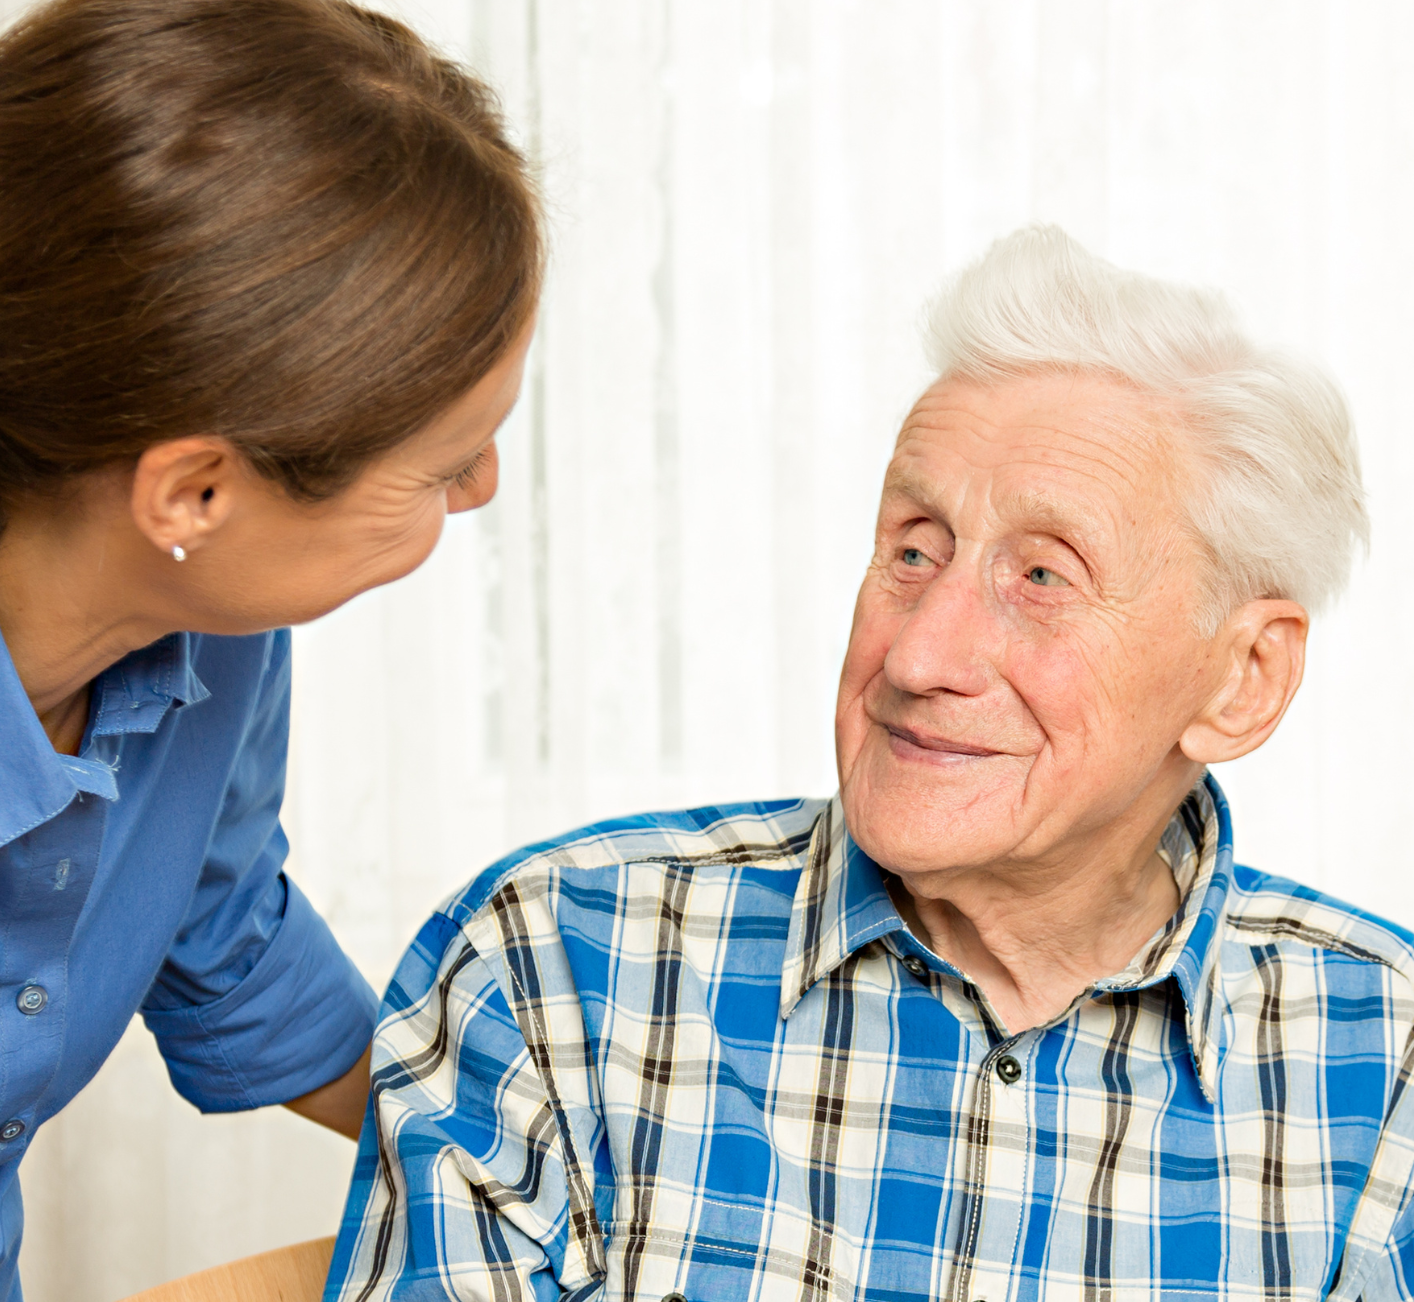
column 699, row 1053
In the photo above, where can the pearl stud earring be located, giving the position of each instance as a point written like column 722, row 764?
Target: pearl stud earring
column 179, row 553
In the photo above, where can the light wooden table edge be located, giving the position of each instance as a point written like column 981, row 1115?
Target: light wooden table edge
column 292, row 1274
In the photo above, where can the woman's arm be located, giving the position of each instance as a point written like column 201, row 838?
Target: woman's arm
column 341, row 1103
column 256, row 1004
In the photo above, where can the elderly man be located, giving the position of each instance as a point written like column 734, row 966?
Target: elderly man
column 1002, row 1020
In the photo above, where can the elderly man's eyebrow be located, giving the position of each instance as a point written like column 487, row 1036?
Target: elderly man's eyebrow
column 1066, row 518
column 1036, row 511
column 922, row 489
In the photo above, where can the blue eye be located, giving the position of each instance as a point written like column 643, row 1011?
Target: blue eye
column 912, row 556
column 1045, row 578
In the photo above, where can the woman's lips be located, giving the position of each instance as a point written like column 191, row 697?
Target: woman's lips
column 907, row 744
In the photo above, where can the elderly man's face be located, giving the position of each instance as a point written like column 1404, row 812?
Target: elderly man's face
column 1023, row 659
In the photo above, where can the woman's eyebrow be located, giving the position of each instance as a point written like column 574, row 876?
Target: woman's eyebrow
column 464, row 462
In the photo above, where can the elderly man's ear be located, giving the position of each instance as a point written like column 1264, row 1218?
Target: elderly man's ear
column 1259, row 657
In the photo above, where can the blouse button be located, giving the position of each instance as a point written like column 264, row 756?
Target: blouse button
column 11, row 1130
column 31, row 1000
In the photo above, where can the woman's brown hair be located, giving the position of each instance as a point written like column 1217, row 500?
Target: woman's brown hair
column 284, row 222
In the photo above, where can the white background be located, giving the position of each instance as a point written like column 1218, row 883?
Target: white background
column 751, row 200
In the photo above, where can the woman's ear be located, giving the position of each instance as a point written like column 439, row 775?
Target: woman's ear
column 183, row 491
column 1262, row 648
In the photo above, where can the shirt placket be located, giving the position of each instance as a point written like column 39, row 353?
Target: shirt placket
column 995, row 1162
column 1001, row 1161
column 47, row 874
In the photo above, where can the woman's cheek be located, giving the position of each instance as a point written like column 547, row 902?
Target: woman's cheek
column 430, row 532
column 406, row 542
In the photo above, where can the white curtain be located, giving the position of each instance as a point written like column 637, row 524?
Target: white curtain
column 751, row 200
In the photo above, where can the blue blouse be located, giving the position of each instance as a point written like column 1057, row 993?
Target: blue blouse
column 145, row 874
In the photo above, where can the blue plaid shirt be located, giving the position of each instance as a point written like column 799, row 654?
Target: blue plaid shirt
column 700, row 1054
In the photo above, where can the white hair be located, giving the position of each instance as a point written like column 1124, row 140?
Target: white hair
column 1278, row 501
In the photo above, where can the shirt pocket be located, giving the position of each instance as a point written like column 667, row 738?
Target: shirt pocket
column 709, row 1250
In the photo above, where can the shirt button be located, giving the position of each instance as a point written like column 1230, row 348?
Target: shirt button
column 674, row 1297
column 31, row 1000
column 1008, row 1069
column 915, row 965
column 11, row 1130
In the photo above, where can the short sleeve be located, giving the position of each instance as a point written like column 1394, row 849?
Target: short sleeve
column 256, row 1003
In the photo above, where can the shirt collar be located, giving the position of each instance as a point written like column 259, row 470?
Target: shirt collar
column 134, row 695
column 841, row 904
column 1192, row 954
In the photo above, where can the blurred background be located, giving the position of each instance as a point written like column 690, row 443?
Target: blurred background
column 751, row 201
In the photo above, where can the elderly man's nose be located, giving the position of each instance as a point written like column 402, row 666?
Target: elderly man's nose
column 942, row 644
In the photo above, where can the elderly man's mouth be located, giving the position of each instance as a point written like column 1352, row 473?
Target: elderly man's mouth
column 932, row 749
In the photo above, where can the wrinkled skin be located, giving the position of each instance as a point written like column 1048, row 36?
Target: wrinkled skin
column 1027, row 695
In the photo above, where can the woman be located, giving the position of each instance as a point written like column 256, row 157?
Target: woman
column 268, row 271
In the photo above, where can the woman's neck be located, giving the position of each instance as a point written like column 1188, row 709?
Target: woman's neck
column 69, row 607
